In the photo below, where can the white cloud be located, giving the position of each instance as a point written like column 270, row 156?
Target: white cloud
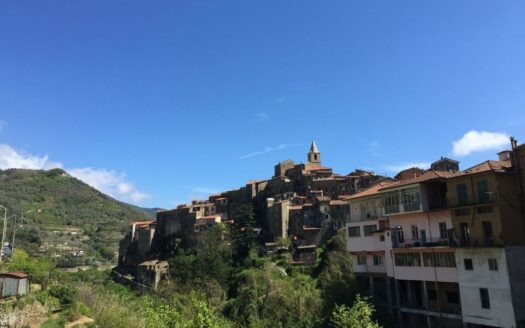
column 400, row 167
column 12, row 158
column 268, row 150
column 107, row 181
column 474, row 141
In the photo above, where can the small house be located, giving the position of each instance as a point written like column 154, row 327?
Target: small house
column 13, row 284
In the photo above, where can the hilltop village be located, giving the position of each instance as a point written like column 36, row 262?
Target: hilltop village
column 437, row 247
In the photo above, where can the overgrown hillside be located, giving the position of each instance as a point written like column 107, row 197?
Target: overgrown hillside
column 64, row 215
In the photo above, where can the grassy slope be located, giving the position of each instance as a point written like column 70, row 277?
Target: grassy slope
column 63, row 205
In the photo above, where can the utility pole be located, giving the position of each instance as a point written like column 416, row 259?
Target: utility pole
column 3, row 233
column 14, row 233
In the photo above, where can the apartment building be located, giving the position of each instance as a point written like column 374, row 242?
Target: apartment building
column 442, row 248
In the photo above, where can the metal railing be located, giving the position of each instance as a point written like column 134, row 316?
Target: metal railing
column 490, row 197
column 422, row 242
column 402, row 208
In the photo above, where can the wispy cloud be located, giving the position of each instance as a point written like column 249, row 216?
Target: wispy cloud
column 262, row 117
column 109, row 182
column 475, row 141
column 280, row 100
column 268, row 150
column 12, row 158
column 2, row 125
column 400, row 167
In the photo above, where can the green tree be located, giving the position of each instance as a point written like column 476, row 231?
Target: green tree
column 39, row 270
column 243, row 232
column 334, row 274
column 268, row 297
column 360, row 315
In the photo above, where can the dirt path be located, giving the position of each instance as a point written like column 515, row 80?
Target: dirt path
column 83, row 320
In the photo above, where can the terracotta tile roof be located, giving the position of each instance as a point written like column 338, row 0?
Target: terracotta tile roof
column 317, row 168
column 425, row 177
column 374, row 189
column 295, row 208
column 497, row 166
column 323, row 198
column 19, row 275
column 337, row 202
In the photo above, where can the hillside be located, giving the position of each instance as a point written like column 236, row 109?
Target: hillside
column 64, row 214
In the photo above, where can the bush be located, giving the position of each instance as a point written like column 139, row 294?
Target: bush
column 359, row 315
column 65, row 294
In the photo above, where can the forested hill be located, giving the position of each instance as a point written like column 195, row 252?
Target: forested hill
column 63, row 214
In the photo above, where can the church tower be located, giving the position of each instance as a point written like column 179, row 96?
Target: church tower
column 314, row 156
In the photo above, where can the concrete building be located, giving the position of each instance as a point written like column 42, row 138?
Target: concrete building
column 487, row 209
column 444, row 248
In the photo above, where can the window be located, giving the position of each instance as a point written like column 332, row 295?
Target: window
column 452, row 298
column 484, row 296
column 493, row 265
column 462, row 212
column 382, row 238
column 465, row 233
column 468, row 264
column 483, row 191
column 440, row 260
column 369, row 229
column 487, row 232
column 354, row 232
column 461, row 190
column 443, row 230
column 415, row 232
column 407, row 259
column 378, row 260
column 423, row 234
column 361, row 259
column 400, row 236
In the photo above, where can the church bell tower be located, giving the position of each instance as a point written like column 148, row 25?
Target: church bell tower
column 314, row 156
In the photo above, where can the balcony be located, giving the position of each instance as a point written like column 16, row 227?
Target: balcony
column 488, row 198
column 422, row 242
column 403, row 208
column 478, row 242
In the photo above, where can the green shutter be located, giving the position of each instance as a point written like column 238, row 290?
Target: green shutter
column 483, row 188
column 461, row 190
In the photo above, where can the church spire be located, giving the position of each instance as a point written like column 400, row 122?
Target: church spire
column 313, row 148
column 314, row 156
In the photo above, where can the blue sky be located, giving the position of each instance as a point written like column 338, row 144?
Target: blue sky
column 158, row 104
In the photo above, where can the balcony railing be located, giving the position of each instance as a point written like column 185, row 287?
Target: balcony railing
column 402, row 208
column 477, row 242
column 489, row 198
column 423, row 242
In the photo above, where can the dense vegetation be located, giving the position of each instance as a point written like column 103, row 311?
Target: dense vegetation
column 63, row 213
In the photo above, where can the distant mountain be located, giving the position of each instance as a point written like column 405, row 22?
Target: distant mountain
column 150, row 212
column 64, row 215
